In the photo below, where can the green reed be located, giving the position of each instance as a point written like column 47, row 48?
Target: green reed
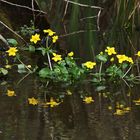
column 119, row 25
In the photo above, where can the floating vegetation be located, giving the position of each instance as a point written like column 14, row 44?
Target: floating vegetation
column 11, row 93
column 33, row 101
column 88, row 100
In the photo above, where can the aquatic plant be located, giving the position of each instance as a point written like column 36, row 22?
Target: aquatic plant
column 108, row 66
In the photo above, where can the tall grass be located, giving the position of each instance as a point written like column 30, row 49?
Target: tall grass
column 122, row 25
column 119, row 25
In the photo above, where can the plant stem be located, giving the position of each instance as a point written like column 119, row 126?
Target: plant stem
column 24, row 65
column 23, row 78
column 127, row 71
column 48, row 55
column 100, row 69
column 49, row 60
column 137, row 64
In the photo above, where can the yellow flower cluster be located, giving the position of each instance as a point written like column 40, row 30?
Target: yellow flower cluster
column 52, row 103
column 12, row 51
column 137, row 102
column 56, row 57
column 122, row 58
column 89, row 64
column 33, row 101
column 11, row 93
column 121, row 110
column 51, row 33
column 138, row 53
column 110, row 50
column 35, row 38
column 88, row 100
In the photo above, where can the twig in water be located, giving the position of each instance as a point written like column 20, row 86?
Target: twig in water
column 13, row 31
column 22, row 6
column 83, row 5
column 77, row 32
column 127, row 71
column 23, row 78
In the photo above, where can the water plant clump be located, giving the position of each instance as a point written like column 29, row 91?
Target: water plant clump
column 108, row 67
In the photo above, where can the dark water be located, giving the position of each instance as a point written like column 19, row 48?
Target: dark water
column 71, row 120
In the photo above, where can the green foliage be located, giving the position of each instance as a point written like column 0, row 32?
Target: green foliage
column 12, row 42
column 64, row 71
column 64, row 68
column 27, row 30
column 3, row 71
column 102, row 57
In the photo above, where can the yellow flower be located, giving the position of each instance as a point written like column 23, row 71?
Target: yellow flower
column 89, row 64
column 49, row 31
column 35, row 38
column 112, row 59
column 138, row 53
column 126, row 109
column 12, row 51
column 88, row 100
column 69, row 92
column 56, row 57
column 130, row 60
column 137, row 102
column 110, row 107
column 55, row 38
column 32, row 101
column 70, row 54
column 101, row 53
column 11, row 93
column 119, row 112
column 52, row 103
column 110, row 50
column 118, row 105
column 8, row 66
column 122, row 58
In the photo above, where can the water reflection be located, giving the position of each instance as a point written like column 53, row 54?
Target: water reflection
column 71, row 120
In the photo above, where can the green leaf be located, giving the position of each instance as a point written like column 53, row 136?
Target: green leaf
column 102, row 58
column 21, row 68
column 12, row 42
column 124, row 65
column 31, row 48
column 4, row 71
column 43, row 51
column 44, row 73
column 100, row 88
column 3, row 83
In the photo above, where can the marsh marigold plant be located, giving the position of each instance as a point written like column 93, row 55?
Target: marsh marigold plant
column 35, row 38
column 12, row 51
column 56, row 57
column 89, row 64
column 110, row 50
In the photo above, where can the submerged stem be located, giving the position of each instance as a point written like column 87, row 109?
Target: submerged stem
column 100, row 70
